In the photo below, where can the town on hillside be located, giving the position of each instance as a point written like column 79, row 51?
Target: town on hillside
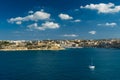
column 57, row 44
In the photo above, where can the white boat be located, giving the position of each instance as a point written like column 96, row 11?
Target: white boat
column 91, row 67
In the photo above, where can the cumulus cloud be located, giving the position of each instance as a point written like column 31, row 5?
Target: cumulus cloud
column 113, row 24
column 103, row 8
column 65, row 16
column 38, row 15
column 33, row 26
column 77, row 20
column 70, row 35
column 17, row 19
column 18, row 22
column 92, row 32
column 44, row 26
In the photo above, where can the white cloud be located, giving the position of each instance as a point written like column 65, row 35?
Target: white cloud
column 103, row 8
column 38, row 15
column 92, row 32
column 65, row 16
column 77, row 20
column 33, row 26
column 44, row 26
column 112, row 24
column 18, row 22
column 70, row 35
column 50, row 25
column 12, row 20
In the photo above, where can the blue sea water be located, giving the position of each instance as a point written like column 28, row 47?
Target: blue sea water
column 70, row 64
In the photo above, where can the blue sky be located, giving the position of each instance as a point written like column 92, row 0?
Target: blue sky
column 59, row 19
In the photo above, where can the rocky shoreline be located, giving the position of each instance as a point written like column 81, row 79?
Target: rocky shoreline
column 31, row 49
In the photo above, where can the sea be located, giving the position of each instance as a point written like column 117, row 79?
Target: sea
column 69, row 64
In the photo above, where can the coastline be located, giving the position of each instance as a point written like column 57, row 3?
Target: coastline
column 50, row 49
column 56, row 45
column 32, row 49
